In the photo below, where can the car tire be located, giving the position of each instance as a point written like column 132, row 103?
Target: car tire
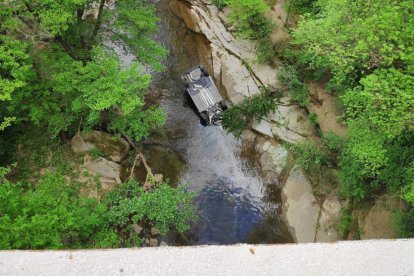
column 204, row 70
column 223, row 105
column 204, row 118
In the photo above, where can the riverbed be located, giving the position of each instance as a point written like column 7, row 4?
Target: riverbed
column 234, row 204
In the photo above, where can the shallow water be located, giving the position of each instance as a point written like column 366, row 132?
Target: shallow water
column 232, row 200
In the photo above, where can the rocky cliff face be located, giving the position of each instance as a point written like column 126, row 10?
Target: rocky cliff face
column 233, row 64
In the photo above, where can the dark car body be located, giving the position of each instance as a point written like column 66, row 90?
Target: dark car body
column 205, row 95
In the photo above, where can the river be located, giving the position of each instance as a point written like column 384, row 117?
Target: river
column 234, row 205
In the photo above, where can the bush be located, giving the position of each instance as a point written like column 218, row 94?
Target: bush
column 248, row 17
column 237, row 118
column 403, row 223
column 265, row 50
column 309, row 156
column 296, row 88
column 220, row 4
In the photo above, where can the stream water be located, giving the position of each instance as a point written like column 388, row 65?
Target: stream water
column 233, row 203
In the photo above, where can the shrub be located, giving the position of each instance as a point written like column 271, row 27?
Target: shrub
column 296, row 88
column 248, row 17
column 309, row 156
column 220, row 4
column 237, row 118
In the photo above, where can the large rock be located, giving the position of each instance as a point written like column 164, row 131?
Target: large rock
column 115, row 148
column 300, row 208
column 109, row 172
column 263, row 127
column 273, row 158
column 237, row 79
column 229, row 55
column 377, row 224
column 329, row 220
column 290, row 123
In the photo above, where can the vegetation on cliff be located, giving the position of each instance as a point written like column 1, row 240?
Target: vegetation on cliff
column 367, row 50
column 59, row 76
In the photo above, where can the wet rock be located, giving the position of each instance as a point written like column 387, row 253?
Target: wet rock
column 377, row 224
column 115, row 148
column 109, row 172
column 300, row 208
column 163, row 243
column 328, row 220
column 290, row 123
column 248, row 137
column 155, row 232
column 137, row 229
column 273, row 158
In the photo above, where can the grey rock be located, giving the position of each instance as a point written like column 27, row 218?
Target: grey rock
column 300, row 208
column 155, row 231
column 137, row 228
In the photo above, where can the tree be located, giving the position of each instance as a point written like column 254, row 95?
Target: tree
column 354, row 38
column 248, row 16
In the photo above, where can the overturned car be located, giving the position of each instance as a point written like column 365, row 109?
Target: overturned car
column 203, row 92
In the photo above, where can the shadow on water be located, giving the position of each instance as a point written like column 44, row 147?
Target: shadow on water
column 232, row 200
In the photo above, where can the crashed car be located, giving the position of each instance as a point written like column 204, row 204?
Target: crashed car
column 203, row 92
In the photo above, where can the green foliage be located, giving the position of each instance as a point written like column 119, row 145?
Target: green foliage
column 403, row 222
column 313, row 118
column 50, row 215
column 301, row 6
column 265, row 50
column 220, row 4
column 353, row 38
column 164, row 207
column 289, row 76
column 345, row 222
column 385, row 100
column 309, row 156
column 237, row 118
column 249, row 19
column 333, row 142
column 134, row 25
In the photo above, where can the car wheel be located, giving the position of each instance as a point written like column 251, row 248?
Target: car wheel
column 204, row 70
column 204, row 117
column 223, row 105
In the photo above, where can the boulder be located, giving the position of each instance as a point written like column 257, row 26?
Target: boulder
column 114, row 147
column 290, row 123
column 263, row 127
column 155, row 232
column 153, row 242
column 300, row 208
column 377, row 224
column 137, row 229
column 237, row 79
column 109, row 172
column 273, row 158
column 328, row 220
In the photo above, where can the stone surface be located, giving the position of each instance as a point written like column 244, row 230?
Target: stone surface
column 137, row 228
column 274, row 158
column 325, row 106
column 155, row 231
column 115, row 148
column 300, row 208
column 153, row 242
column 375, row 257
column 290, row 123
column 109, row 172
column 263, row 127
column 328, row 220
column 377, row 224
column 236, row 79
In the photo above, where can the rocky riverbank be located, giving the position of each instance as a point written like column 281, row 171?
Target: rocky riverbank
column 233, row 62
